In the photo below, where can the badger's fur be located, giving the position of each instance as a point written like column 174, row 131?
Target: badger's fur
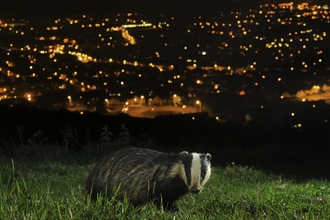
column 145, row 175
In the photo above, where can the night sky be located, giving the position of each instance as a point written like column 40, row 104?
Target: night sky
column 60, row 7
column 40, row 7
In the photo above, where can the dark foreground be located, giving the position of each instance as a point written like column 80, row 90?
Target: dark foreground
column 277, row 146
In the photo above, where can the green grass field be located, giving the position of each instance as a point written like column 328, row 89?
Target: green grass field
column 53, row 190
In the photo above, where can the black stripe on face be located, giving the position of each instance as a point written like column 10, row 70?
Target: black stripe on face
column 187, row 161
column 204, row 166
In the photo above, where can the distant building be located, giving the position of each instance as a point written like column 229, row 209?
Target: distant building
column 136, row 101
column 156, row 101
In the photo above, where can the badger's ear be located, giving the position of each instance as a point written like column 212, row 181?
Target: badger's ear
column 208, row 156
column 184, row 153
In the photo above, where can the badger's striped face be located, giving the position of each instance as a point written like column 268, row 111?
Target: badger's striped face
column 197, row 170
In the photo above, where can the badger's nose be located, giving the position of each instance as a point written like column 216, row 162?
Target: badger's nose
column 195, row 190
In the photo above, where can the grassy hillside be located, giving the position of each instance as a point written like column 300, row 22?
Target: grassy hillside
column 43, row 179
column 50, row 190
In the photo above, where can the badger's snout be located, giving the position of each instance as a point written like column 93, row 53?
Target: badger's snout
column 195, row 189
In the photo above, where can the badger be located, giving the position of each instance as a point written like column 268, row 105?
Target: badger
column 145, row 175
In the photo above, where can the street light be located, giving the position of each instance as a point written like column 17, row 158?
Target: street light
column 125, row 108
column 141, row 99
column 199, row 103
column 70, row 100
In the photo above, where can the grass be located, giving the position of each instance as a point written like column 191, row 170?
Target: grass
column 50, row 190
column 45, row 181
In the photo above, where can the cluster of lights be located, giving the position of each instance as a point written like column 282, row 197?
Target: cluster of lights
column 84, row 58
column 211, row 27
column 129, row 38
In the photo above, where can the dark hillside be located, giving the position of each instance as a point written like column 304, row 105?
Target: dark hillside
column 269, row 144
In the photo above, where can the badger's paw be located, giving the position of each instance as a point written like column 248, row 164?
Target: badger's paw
column 174, row 207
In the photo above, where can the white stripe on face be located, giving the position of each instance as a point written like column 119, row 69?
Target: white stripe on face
column 207, row 175
column 195, row 170
column 178, row 169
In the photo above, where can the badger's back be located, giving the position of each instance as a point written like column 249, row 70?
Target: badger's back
column 142, row 175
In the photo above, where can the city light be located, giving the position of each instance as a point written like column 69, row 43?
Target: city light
column 199, row 104
column 128, row 54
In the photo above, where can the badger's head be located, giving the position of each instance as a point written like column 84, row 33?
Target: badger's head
column 197, row 170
